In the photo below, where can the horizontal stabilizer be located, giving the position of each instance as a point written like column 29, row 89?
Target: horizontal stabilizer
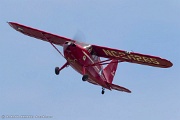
column 119, row 88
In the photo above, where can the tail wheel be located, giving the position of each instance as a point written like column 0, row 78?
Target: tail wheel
column 57, row 70
column 103, row 91
column 85, row 78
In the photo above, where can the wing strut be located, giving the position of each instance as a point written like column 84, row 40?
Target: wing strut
column 57, row 69
column 104, row 62
column 53, row 46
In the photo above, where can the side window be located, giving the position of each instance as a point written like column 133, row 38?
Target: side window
column 95, row 57
column 88, row 48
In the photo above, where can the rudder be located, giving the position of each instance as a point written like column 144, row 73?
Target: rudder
column 110, row 70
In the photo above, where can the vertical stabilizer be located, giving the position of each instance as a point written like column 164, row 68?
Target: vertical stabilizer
column 110, row 70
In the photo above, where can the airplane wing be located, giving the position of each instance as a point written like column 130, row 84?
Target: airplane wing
column 45, row 36
column 132, row 57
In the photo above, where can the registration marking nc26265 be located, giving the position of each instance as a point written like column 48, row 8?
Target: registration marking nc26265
column 129, row 56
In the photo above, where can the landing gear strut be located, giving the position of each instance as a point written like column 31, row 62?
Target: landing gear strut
column 57, row 69
column 103, row 91
column 85, row 78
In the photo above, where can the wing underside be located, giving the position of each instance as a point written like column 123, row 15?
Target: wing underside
column 45, row 36
column 132, row 57
column 122, row 56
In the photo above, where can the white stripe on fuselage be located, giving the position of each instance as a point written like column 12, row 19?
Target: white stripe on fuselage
column 91, row 61
column 95, row 67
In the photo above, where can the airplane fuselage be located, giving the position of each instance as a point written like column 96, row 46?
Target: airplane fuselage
column 80, row 59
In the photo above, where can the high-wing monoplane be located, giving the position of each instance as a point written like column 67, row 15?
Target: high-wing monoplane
column 85, row 58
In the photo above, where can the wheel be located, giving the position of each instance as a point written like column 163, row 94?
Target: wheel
column 57, row 70
column 85, row 78
column 102, row 92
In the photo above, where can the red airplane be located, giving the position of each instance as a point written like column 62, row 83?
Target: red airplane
column 85, row 58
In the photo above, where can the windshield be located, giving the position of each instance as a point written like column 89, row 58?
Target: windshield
column 88, row 48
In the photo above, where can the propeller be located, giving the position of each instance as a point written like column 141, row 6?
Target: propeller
column 79, row 37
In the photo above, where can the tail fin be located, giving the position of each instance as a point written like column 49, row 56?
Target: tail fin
column 110, row 70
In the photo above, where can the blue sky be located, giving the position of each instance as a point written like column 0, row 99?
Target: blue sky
column 30, row 87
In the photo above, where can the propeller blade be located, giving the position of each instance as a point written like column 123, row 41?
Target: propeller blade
column 79, row 37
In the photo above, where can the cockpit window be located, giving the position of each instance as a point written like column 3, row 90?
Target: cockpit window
column 68, row 43
column 88, row 48
column 95, row 57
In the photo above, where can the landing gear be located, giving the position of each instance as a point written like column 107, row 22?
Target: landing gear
column 103, row 91
column 85, row 78
column 57, row 70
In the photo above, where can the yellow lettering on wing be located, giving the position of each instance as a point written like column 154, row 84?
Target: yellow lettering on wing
column 139, row 58
column 134, row 58
column 123, row 55
column 147, row 60
column 154, row 61
column 107, row 52
column 114, row 53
